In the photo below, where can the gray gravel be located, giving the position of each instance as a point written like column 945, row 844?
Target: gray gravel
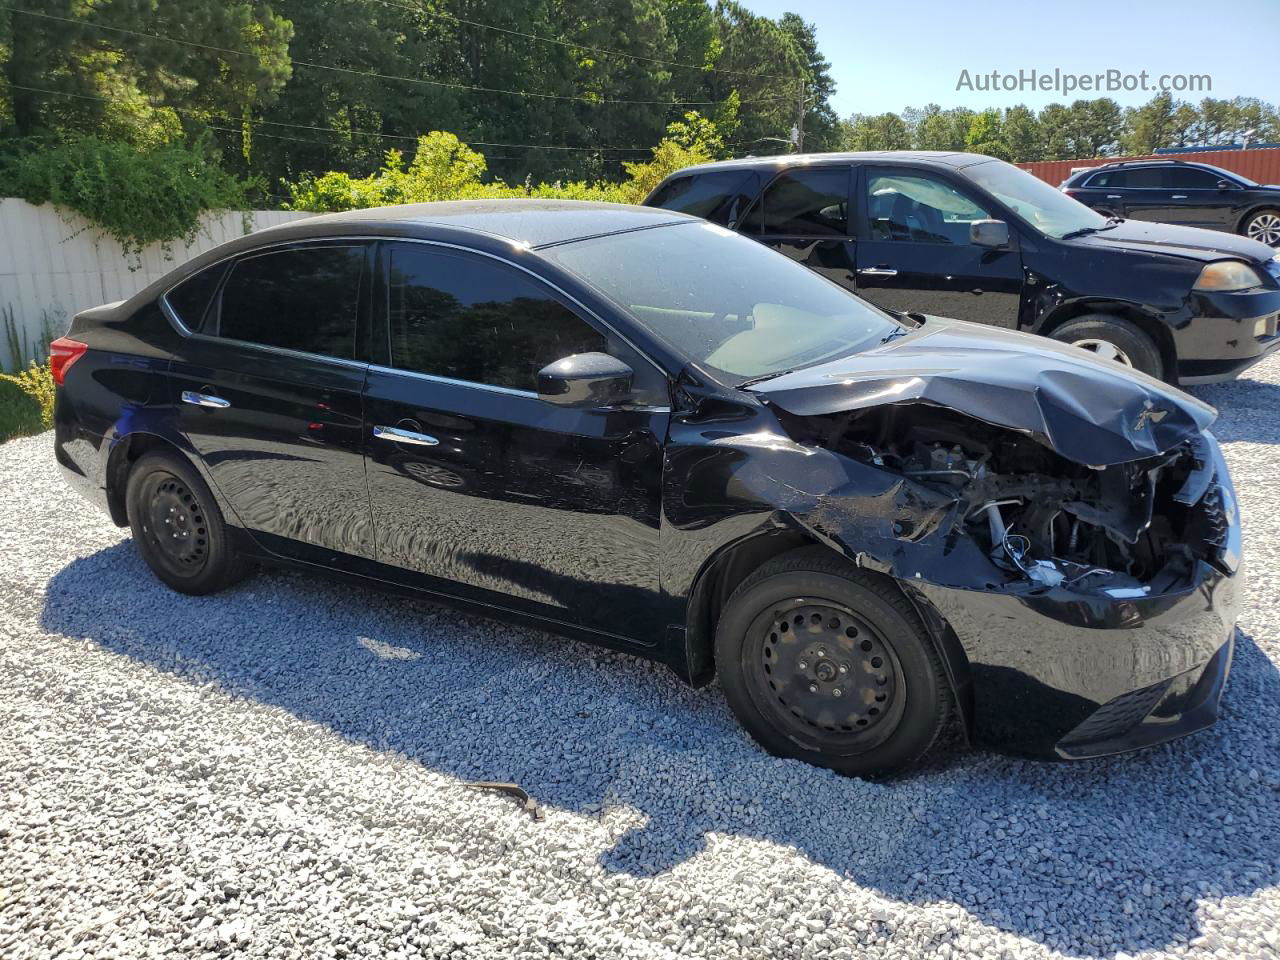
column 276, row 771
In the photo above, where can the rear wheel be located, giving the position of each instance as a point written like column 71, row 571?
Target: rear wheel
column 1263, row 226
column 178, row 527
column 1115, row 339
column 831, row 665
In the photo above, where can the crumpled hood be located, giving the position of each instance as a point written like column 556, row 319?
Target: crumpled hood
column 1091, row 411
column 1190, row 242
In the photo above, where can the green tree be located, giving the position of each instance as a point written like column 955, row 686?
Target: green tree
column 821, row 125
column 1022, row 135
column 986, row 135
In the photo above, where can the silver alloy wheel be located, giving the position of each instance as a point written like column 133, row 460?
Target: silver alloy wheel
column 1265, row 227
column 1104, row 349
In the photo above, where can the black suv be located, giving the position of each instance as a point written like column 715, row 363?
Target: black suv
column 1175, row 191
column 965, row 236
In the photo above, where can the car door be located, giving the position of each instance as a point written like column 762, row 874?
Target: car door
column 804, row 214
column 1136, row 193
column 914, row 253
column 1196, row 198
column 480, row 485
column 268, row 391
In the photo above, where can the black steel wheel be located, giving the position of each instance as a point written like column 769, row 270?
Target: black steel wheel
column 178, row 527
column 830, row 664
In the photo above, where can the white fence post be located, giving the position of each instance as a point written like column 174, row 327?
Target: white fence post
column 54, row 263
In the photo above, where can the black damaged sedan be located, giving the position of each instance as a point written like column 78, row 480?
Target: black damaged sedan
column 636, row 428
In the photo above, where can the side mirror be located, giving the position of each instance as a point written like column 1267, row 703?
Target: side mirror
column 1228, row 185
column 989, row 233
column 585, row 380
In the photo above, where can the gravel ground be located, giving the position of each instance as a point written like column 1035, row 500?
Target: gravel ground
column 276, row 771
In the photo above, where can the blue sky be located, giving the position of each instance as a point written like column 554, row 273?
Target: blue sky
column 889, row 54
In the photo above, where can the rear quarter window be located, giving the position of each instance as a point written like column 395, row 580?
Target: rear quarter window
column 190, row 299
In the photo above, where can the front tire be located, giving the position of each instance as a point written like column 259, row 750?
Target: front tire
column 829, row 664
column 178, row 527
column 1263, row 226
column 1113, row 338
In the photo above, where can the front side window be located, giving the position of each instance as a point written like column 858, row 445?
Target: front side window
column 470, row 318
column 803, row 203
column 1190, row 178
column 918, row 207
column 719, row 196
column 723, row 301
column 303, row 298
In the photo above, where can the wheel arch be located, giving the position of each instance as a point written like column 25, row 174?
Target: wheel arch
column 734, row 562
column 124, row 453
column 1253, row 211
column 1152, row 326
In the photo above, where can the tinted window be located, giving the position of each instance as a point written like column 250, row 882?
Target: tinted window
column 1190, row 178
column 300, row 299
column 805, row 203
column 190, row 299
column 1104, row 180
column 917, row 207
column 471, row 318
column 720, row 196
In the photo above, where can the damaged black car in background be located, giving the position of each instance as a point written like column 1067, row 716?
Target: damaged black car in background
column 872, row 527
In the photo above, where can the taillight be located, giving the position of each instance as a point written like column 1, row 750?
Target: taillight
column 63, row 352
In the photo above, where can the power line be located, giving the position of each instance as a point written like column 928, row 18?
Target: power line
column 303, row 126
column 582, row 46
column 384, row 76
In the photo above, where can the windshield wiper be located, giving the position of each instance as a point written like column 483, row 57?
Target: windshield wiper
column 762, row 378
column 1085, row 231
column 894, row 334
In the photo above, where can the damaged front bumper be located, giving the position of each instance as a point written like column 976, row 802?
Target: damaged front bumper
column 1065, row 675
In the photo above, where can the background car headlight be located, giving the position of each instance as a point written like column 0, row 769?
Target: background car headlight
column 1228, row 275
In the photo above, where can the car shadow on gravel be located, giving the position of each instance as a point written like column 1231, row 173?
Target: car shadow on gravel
column 1088, row 858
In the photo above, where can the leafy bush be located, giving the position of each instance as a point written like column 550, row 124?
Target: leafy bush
column 138, row 197
column 20, row 413
column 445, row 168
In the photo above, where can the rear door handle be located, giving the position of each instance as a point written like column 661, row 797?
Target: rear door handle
column 1178, row 196
column 1114, row 196
column 404, row 436
column 204, row 400
column 878, row 272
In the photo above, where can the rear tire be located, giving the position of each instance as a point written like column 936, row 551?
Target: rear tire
column 1114, row 338
column 178, row 527
column 1263, row 226
column 829, row 664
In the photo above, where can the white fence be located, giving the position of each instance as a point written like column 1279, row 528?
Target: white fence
column 54, row 263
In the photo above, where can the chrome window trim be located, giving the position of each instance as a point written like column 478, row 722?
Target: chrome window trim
column 185, row 331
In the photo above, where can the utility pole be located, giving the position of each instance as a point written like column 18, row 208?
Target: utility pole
column 799, row 128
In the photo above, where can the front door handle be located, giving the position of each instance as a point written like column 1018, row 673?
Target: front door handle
column 404, row 436
column 204, row 400
column 878, row 272
column 1178, row 196
column 1114, row 196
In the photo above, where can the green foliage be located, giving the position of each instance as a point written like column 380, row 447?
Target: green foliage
column 21, row 406
column 37, row 383
column 137, row 197
column 444, row 168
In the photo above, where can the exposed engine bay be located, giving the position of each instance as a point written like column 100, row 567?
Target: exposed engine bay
column 1124, row 529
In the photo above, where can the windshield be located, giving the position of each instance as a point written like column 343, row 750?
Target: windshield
column 726, row 302
column 1048, row 209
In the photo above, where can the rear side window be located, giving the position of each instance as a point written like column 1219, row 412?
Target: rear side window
column 305, row 298
column 190, row 299
column 475, row 319
column 720, row 196
column 806, row 203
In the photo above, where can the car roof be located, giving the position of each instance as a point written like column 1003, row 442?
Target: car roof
column 528, row 222
column 942, row 158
